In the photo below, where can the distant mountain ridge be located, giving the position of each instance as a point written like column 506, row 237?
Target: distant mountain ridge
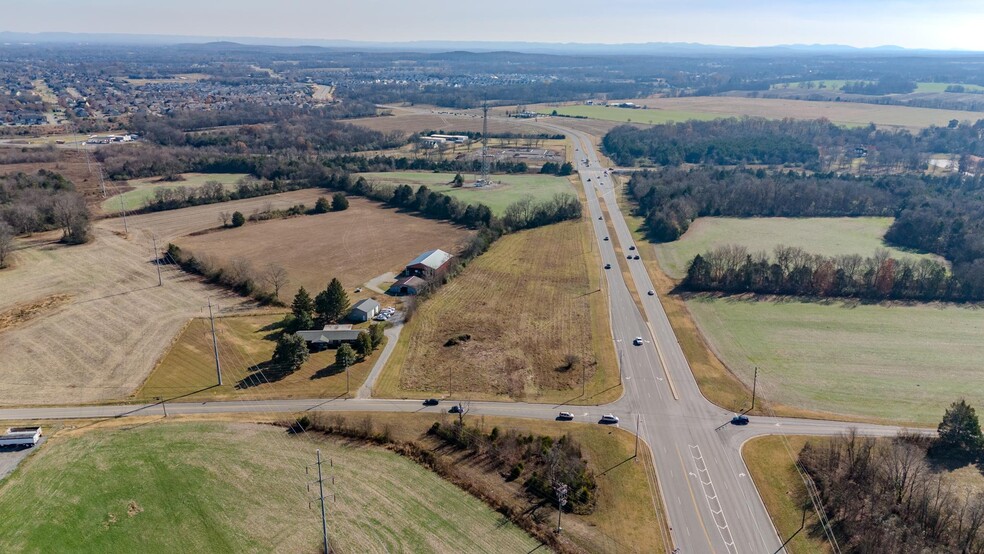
column 651, row 48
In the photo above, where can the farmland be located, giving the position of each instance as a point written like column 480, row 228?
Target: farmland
column 508, row 188
column 354, row 245
column 232, row 487
column 827, row 236
column 895, row 363
column 626, row 115
column 246, row 344
column 144, row 189
column 528, row 303
column 849, row 114
column 835, row 84
column 103, row 338
column 408, row 121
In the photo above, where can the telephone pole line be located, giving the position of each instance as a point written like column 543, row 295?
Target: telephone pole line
column 321, row 497
column 215, row 343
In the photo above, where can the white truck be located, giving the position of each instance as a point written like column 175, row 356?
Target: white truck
column 21, row 436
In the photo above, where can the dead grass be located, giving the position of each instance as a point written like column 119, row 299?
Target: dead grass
column 532, row 299
column 27, row 311
column 70, row 164
column 409, row 122
column 101, row 344
column 354, row 245
column 246, row 344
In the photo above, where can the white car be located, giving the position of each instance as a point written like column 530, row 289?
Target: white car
column 637, row 341
column 565, row 416
column 608, row 419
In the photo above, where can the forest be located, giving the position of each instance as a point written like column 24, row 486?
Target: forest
column 42, row 202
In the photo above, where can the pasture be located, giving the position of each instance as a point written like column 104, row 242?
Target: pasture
column 144, row 189
column 508, row 188
column 627, row 115
column 246, row 344
column 354, row 245
column 409, row 121
column 941, row 87
column 533, row 299
column 830, row 236
column 896, row 363
column 235, row 487
column 850, row 114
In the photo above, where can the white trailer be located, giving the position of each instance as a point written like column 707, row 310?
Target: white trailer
column 21, row 436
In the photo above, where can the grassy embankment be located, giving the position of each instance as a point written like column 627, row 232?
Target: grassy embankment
column 246, row 345
column 212, row 487
column 532, row 299
column 509, row 189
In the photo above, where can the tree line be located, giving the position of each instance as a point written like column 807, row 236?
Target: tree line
column 886, row 496
column 793, row 271
column 42, row 202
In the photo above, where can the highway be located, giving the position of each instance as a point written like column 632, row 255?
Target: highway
column 710, row 500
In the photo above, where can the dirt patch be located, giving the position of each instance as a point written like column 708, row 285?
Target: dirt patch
column 30, row 310
column 132, row 508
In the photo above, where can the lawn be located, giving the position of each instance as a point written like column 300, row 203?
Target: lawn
column 509, row 188
column 355, row 245
column 530, row 301
column 903, row 364
column 941, row 87
column 246, row 344
column 653, row 116
column 235, row 487
column 144, row 189
column 829, row 236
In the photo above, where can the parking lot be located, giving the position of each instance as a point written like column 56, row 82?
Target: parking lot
column 11, row 456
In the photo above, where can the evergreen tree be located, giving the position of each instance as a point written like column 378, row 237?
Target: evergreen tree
column 302, row 305
column 458, row 180
column 339, row 202
column 238, row 219
column 331, row 304
column 363, row 345
column 321, row 206
column 291, row 352
column 376, row 333
column 345, row 356
column 960, row 431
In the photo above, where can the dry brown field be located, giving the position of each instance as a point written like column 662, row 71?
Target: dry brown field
column 70, row 164
column 101, row 341
column 532, row 299
column 355, row 245
column 413, row 121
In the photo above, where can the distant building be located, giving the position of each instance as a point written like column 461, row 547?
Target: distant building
column 407, row 285
column 364, row 310
column 331, row 335
column 427, row 264
column 432, row 142
column 457, row 139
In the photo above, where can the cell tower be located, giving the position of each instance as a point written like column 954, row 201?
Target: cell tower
column 485, row 179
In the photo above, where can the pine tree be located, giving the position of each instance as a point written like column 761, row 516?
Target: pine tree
column 331, row 304
column 345, row 356
column 960, row 431
column 291, row 352
column 363, row 345
column 302, row 304
column 339, row 202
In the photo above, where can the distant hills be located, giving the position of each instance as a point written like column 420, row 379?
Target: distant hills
column 647, row 48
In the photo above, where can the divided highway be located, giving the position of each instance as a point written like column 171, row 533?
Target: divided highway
column 710, row 500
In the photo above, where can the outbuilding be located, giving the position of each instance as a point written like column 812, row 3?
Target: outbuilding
column 407, row 285
column 428, row 263
column 364, row 310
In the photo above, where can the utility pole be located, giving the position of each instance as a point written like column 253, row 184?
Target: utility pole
column 215, row 343
column 449, row 380
column 583, row 376
column 321, row 496
column 157, row 262
column 561, row 490
column 754, row 383
column 163, row 404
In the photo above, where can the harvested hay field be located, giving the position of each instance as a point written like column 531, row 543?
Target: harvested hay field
column 533, row 299
column 71, row 165
column 354, row 245
column 409, row 121
column 246, row 344
column 235, row 487
column 171, row 224
column 851, row 114
column 104, row 341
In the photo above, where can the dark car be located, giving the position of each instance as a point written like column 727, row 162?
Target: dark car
column 636, row 257
column 599, row 218
column 456, row 409
column 629, row 257
column 632, row 247
column 608, row 266
column 740, row 419
column 606, row 238
column 431, row 402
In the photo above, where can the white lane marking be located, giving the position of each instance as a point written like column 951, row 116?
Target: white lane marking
column 710, row 495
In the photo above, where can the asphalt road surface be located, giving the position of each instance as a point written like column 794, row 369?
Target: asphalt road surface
column 710, row 500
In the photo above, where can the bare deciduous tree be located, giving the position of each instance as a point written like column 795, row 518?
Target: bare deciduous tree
column 6, row 242
column 224, row 218
column 276, row 277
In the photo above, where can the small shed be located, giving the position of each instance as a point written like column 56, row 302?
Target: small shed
column 407, row 285
column 364, row 310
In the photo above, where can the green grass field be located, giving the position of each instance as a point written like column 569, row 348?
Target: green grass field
column 941, row 87
column 837, row 84
column 144, row 188
column 898, row 363
column 818, row 235
column 652, row 116
column 511, row 189
column 216, row 487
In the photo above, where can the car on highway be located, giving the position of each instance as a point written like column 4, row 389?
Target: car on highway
column 608, row 266
column 431, row 402
column 606, row 238
column 637, row 341
column 636, row 257
column 632, row 247
column 629, row 257
column 739, row 419
column 608, row 419
column 651, row 292
column 599, row 218
column 565, row 416
column 589, row 179
column 456, row 409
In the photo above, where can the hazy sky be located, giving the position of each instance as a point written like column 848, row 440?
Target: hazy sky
column 938, row 24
